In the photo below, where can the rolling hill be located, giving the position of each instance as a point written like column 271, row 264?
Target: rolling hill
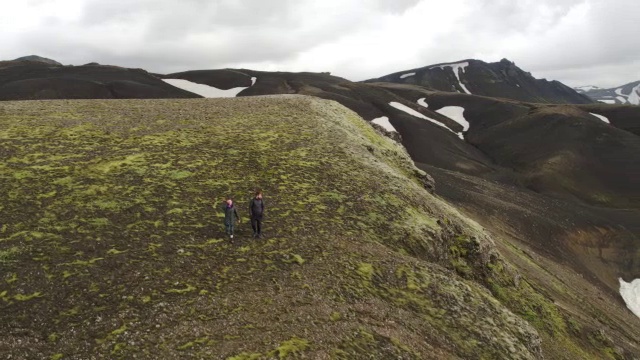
column 31, row 78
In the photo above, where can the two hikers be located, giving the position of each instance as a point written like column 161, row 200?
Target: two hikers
column 256, row 213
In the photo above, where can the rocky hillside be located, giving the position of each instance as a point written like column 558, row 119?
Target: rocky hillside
column 432, row 124
column 626, row 94
column 553, row 183
column 552, row 180
column 112, row 243
column 501, row 79
column 32, row 78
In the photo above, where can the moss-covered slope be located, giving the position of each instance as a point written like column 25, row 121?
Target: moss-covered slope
column 111, row 244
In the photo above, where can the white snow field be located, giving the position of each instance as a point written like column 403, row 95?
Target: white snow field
column 253, row 80
column 606, row 101
column 455, row 67
column 384, row 122
column 412, row 112
column 407, row 75
column 203, row 90
column 601, row 117
column 630, row 292
column 634, row 97
column 455, row 113
column 423, row 102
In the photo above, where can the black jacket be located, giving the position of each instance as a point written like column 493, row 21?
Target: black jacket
column 256, row 208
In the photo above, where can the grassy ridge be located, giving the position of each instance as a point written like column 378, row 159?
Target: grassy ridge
column 111, row 242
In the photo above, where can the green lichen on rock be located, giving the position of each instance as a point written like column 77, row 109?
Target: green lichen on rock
column 291, row 347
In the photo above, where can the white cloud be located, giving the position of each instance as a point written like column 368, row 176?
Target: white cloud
column 574, row 41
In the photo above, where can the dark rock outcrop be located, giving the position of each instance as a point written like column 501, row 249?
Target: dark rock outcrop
column 394, row 135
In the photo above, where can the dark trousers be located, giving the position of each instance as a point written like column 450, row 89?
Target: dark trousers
column 256, row 224
column 229, row 228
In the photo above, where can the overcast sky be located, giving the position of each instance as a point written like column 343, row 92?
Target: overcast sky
column 579, row 42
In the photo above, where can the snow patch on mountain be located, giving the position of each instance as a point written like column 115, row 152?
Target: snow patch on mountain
column 384, row 122
column 407, row 75
column 601, row 117
column 455, row 113
column 606, row 101
column 423, row 102
column 412, row 112
column 253, row 80
column 203, row 90
column 630, row 293
column 634, row 97
column 456, row 67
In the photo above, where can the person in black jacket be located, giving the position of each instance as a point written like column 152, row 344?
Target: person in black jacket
column 256, row 210
column 230, row 216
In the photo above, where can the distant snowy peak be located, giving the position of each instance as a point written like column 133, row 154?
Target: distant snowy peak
column 633, row 96
column 628, row 94
column 584, row 89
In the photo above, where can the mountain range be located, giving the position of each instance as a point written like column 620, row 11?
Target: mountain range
column 549, row 172
column 625, row 94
